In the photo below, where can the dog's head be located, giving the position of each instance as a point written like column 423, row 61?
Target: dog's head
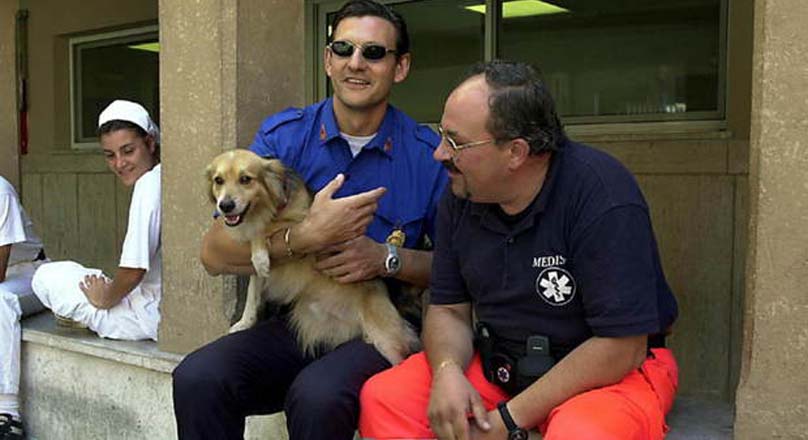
column 242, row 183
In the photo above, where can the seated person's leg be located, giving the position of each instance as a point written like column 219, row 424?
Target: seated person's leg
column 241, row 374
column 633, row 409
column 323, row 402
column 57, row 286
column 395, row 402
column 10, row 313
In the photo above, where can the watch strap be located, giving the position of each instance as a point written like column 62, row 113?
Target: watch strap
column 514, row 431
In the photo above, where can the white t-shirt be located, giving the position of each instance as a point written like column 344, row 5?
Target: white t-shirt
column 16, row 228
column 357, row 142
column 141, row 247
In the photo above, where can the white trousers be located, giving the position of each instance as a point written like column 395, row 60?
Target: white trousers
column 16, row 300
column 57, row 286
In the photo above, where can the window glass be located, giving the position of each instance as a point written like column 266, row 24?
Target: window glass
column 627, row 59
column 109, row 67
column 445, row 39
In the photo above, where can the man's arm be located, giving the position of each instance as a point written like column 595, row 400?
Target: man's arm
column 5, row 253
column 363, row 259
column 329, row 221
column 596, row 363
column 448, row 343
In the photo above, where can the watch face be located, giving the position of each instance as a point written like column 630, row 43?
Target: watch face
column 392, row 263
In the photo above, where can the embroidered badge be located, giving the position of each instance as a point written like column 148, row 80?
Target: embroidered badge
column 555, row 286
column 323, row 133
column 388, row 145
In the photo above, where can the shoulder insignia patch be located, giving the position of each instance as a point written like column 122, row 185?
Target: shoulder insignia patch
column 280, row 118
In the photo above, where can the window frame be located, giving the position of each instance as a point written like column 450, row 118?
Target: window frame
column 99, row 39
column 316, row 81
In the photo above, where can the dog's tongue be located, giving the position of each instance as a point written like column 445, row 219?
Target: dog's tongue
column 232, row 219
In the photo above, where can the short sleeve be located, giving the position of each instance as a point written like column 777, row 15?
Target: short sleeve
column 143, row 230
column 12, row 226
column 614, row 265
column 447, row 285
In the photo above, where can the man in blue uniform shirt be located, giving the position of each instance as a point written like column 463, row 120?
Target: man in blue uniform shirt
column 386, row 185
column 550, row 243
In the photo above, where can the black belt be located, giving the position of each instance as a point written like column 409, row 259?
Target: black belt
column 40, row 256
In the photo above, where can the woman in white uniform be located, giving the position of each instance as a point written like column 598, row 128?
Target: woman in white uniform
column 126, row 305
column 20, row 254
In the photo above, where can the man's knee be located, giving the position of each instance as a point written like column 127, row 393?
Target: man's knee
column 318, row 395
column 199, row 375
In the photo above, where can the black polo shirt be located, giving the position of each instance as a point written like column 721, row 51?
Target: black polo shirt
column 583, row 261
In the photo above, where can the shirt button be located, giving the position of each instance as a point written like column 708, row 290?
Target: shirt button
column 510, row 240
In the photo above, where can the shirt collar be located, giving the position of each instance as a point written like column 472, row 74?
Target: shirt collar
column 386, row 138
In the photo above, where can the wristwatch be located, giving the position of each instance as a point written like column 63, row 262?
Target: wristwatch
column 514, row 432
column 392, row 263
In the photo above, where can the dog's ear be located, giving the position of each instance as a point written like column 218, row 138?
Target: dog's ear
column 274, row 174
column 209, row 176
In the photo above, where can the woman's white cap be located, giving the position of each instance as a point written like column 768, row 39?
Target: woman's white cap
column 129, row 111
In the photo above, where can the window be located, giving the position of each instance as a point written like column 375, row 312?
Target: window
column 109, row 66
column 605, row 62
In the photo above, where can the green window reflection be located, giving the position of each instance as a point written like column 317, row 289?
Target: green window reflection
column 628, row 60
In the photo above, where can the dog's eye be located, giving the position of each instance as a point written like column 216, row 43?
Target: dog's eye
column 244, row 180
column 218, row 180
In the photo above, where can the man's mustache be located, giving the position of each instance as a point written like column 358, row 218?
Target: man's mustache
column 449, row 165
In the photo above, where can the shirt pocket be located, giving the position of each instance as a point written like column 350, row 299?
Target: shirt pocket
column 389, row 220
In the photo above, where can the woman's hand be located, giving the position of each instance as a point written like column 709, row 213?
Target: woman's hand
column 97, row 290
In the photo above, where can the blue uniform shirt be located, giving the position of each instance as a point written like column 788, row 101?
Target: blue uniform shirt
column 398, row 158
column 581, row 261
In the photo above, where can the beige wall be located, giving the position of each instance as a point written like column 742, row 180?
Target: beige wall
column 771, row 400
column 225, row 65
column 51, row 24
column 9, row 149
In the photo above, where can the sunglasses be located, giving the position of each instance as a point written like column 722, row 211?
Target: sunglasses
column 370, row 52
column 445, row 137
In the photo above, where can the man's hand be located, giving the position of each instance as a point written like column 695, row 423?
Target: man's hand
column 451, row 401
column 96, row 289
column 354, row 260
column 331, row 221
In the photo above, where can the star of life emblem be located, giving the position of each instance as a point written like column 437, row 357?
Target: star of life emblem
column 555, row 286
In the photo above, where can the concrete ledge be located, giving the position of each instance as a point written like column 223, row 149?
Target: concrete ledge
column 77, row 385
column 41, row 329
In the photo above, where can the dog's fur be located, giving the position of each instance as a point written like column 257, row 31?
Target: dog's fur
column 259, row 197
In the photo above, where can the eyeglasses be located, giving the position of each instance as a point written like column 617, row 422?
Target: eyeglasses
column 453, row 144
column 370, row 52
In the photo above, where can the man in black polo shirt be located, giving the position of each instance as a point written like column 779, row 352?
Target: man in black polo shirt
column 550, row 243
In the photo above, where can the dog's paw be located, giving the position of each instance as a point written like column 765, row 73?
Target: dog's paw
column 260, row 262
column 242, row 324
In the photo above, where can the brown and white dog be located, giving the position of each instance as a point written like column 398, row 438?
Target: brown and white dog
column 259, row 197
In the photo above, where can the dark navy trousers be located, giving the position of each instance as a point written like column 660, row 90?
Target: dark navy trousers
column 262, row 371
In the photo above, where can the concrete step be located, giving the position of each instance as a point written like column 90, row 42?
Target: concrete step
column 76, row 385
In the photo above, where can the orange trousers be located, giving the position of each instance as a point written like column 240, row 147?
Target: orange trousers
column 394, row 403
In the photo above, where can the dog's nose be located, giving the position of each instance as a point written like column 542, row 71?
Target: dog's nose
column 226, row 205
